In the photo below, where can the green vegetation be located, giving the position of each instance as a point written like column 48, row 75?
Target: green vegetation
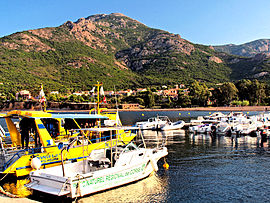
column 243, row 93
column 62, row 60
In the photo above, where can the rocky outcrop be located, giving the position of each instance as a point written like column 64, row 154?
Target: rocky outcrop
column 249, row 49
column 27, row 42
column 215, row 59
column 94, row 31
column 140, row 55
column 83, row 30
column 261, row 74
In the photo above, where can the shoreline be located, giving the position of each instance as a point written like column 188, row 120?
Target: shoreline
column 222, row 108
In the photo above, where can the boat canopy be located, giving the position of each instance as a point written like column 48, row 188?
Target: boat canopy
column 109, row 128
column 79, row 116
column 41, row 114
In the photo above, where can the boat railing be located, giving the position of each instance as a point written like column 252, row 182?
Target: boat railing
column 8, row 157
column 11, row 160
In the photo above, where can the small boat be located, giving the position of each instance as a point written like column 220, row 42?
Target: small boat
column 153, row 123
column 215, row 116
column 103, row 169
column 173, row 125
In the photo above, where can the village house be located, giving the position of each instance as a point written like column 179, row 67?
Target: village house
column 109, row 93
column 54, row 92
column 159, row 92
column 125, row 92
column 141, row 90
column 182, row 86
column 173, row 93
column 25, row 94
column 77, row 93
column 129, row 106
column 80, row 93
column 164, row 87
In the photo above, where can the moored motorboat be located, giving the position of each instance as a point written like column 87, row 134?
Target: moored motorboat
column 153, row 123
column 103, row 169
column 173, row 125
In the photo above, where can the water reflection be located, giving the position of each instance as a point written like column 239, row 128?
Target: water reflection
column 17, row 187
column 152, row 189
column 234, row 142
column 158, row 138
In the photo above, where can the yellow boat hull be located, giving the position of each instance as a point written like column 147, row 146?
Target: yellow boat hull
column 22, row 166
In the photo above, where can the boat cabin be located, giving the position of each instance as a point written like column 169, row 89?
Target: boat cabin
column 39, row 134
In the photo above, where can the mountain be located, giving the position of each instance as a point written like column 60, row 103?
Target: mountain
column 255, row 61
column 249, row 49
column 116, row 50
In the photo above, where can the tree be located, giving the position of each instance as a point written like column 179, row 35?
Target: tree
column 257, row 90
column 224, row 94
column 243, row 87
column 199, row 93
column 149, row 99
column 183, row 99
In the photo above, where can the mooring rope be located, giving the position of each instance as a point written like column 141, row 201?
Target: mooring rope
column 8, row 194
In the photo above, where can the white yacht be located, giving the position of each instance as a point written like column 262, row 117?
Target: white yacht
column 103, row 169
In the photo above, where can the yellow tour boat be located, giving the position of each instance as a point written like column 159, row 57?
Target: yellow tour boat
column 36, row 138
column 43, row 134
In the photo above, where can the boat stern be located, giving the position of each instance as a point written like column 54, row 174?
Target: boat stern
column 48, row 183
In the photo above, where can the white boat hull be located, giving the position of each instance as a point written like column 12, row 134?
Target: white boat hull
column 173, row 126
column 153, row 123
column 74, row 185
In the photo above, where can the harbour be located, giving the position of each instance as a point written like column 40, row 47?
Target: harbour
column 134, row 101
column 201, row 169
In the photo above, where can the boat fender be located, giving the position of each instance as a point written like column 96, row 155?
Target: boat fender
column 165, row 165
column 35, row 163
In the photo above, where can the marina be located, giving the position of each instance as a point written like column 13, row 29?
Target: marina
column 100, row 102
column 201, row 168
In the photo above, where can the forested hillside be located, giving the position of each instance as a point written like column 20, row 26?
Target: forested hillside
column 118, row 51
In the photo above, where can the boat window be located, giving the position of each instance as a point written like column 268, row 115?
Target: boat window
column 88, row 123
column 102, row 136
column 52, row 126
column 130, row 147
column 29, row 133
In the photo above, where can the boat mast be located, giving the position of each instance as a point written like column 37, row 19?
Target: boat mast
column 98, row 86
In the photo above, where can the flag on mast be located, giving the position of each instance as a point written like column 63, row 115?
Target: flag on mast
column 93, row 90
column 42, row 98
column 103, row 94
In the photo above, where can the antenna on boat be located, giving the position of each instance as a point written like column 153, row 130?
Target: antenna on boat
column 98, row 86
column 116, row 105
column 100, row 91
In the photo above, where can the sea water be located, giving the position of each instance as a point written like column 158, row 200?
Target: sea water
column 201, row 169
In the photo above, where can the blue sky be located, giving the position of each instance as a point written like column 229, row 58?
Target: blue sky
column 209, row 22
